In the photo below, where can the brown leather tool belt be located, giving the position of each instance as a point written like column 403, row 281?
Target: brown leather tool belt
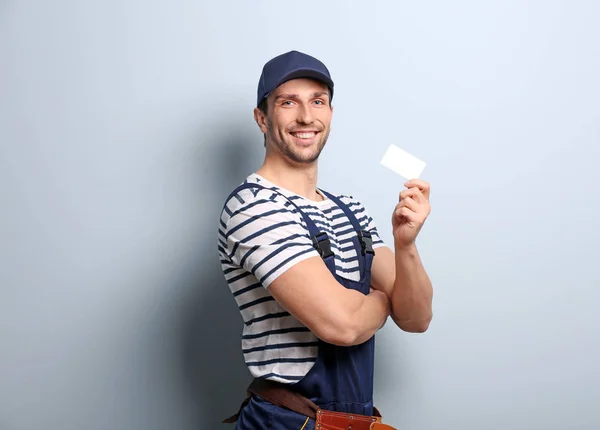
column 282, row 396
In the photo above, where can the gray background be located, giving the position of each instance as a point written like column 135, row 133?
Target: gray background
column 124, row 124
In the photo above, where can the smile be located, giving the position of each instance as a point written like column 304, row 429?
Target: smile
column 304, row 135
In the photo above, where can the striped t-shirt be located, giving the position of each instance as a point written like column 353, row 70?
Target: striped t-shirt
column 261, row 235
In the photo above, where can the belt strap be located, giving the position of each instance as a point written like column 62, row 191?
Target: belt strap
column 280, row 396
column 283, row 397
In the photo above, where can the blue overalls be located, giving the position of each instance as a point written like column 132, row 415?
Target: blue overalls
column 342, row 377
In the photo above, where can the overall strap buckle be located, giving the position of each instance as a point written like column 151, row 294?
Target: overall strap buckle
column 366, row 242
column 322, row 244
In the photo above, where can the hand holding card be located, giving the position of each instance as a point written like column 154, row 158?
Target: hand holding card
column 413, row 207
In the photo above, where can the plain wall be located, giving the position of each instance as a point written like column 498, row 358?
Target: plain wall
column 124, row 125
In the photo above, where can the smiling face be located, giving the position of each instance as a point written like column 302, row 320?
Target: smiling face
column 298, row 118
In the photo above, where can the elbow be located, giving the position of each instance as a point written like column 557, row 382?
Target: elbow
column 341, row 339
column 414, row 326
column 339, row 334
column 418, row 327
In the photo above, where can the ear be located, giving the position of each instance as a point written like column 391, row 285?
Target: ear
column 261, row 120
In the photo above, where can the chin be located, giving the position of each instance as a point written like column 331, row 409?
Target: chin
column 310, row 158
column 300, row 154
column 301, row 157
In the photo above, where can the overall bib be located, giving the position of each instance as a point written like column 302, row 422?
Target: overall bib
column 342, row 377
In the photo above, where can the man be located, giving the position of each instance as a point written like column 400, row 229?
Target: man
column 311, row 276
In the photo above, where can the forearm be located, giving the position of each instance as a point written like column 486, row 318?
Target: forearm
column 411, row 298
column 369, row 318
column 358, row 318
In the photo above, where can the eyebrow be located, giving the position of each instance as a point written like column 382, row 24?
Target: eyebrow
column 296, row 97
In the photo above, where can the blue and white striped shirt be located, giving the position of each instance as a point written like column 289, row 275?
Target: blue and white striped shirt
column 261, row 235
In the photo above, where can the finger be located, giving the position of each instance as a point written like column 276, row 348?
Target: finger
column 410, row 203
column 415, row 193
column 419, row 211
column 420, row 184
column 405, row 212
column 423, row 185
column 405, row 215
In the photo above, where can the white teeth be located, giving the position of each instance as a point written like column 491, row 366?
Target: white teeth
column 305, row 135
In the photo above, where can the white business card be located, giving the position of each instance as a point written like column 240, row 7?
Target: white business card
column 406, row 165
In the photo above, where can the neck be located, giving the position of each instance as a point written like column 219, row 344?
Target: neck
column 300, row 179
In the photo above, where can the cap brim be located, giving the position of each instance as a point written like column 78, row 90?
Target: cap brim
column 304, row 73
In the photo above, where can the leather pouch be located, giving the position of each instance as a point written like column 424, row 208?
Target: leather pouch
column 329, row 420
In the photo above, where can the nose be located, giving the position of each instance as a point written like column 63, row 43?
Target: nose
column 305, row 115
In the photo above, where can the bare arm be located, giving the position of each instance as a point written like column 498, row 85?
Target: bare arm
column 261, row 235
column 332, row 312
column 401, row 275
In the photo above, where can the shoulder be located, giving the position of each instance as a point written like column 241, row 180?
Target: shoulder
column 252, row 201
column 358, row 209
column 350, row 200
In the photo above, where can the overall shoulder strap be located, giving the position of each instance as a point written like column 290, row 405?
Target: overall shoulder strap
column 366, row 241
column 319, row 238
column 312, row 228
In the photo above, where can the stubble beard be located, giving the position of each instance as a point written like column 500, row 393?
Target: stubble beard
column 287, row 149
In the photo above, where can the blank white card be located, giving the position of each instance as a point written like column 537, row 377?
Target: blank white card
column 406, row 165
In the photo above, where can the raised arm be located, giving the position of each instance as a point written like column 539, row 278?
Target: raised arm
column 400, row 274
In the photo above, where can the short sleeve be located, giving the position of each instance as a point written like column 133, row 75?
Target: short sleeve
column 265, row 235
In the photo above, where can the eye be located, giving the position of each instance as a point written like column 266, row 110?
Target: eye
column 287, row 103
column 319, row 102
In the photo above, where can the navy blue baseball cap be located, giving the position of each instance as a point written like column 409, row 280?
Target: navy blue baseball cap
column 288, row 66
